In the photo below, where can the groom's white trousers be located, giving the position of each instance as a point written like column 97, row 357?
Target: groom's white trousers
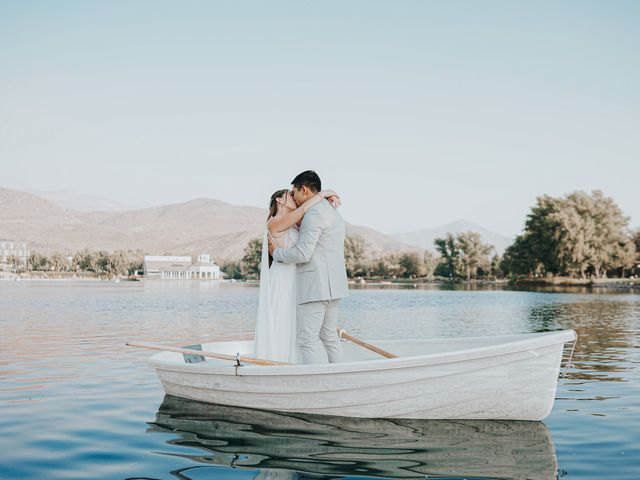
column 317, row 337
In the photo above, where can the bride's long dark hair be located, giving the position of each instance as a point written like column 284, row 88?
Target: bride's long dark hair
column 273, row 204
column 273, row 209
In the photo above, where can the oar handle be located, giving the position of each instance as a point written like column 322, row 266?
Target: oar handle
column 343, row 334
column 220, row 356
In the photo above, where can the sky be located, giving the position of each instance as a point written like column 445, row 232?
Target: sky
column 418, row 113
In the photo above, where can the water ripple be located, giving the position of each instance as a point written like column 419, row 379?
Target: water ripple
column 75, row 402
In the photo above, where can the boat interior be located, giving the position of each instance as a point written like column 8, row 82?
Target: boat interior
column 356, row 353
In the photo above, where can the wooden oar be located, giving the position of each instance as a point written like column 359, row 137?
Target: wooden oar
column 220, row 356
column 343, row 334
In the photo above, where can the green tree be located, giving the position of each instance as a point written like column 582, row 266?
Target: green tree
column 39, row 262
column 354, row 255
column 609, row 238
column 496, row 267
column 102, row 261
column 635, row 237
column 85, row 261
column 58, row 262
column 577, row 235
column 520, row 259
column 577, row 222
column 395, row 267
column 410, row 265
column 473, row 254
column 117, row 263
column 387, row 266
column 379, row 268
column 252, row 258
column 447, row 247
column 14, row 263
column 430, row 262
column 232, row 269
column 540, row 237
column 626, row 256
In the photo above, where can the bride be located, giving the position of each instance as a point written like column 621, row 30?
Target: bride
column 276, row 325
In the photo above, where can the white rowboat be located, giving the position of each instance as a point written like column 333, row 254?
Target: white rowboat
column 510, row 377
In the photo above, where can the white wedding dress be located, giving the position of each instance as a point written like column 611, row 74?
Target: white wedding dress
column 276, row 323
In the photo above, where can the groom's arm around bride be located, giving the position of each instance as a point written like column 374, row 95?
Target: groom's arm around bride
column 321, row 273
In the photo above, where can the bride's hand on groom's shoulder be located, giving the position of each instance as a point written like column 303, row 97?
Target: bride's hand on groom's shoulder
column 332, row 196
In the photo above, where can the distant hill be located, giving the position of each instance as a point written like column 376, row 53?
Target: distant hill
column 70, row 200
column 26, row 217
column 193, row 227
column 425, row 238
column 380, row 243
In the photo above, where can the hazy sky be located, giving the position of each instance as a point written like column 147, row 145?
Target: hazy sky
column 418, row 113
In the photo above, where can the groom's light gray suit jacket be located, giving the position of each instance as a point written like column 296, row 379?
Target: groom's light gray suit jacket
column 319, row 254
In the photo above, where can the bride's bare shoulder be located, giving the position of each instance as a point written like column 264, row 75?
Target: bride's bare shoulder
column 273, row 230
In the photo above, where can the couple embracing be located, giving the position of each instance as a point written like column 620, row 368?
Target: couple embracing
column 302, row 275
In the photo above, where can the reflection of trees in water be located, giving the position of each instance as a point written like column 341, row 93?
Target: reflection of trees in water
column 606, row 334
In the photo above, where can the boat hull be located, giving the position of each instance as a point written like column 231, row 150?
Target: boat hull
column 510, row 380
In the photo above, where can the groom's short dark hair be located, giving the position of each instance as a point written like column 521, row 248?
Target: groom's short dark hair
column 309, row 179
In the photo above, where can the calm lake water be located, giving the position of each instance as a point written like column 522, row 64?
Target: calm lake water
column 76, row 403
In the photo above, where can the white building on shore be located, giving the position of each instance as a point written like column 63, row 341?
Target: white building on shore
column 204, row 268
column 169, row 267
column 166, row 266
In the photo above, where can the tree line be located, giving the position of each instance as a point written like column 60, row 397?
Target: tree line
column 118, row 262
column 579, row 235
column 461, row 255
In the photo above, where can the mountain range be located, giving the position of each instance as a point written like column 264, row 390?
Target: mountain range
column 189, row 228
column 425, row 238
column 202, row 225
column 71, row 200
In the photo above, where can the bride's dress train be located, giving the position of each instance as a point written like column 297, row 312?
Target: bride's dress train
column 276, row 324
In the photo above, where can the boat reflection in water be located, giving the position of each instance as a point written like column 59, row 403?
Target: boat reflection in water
column 289, row 445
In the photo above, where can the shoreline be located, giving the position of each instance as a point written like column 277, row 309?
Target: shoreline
column 600, row 283
column 63, row 276
column 552, row 282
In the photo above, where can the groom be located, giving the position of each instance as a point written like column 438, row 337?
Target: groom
column 322, row 277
